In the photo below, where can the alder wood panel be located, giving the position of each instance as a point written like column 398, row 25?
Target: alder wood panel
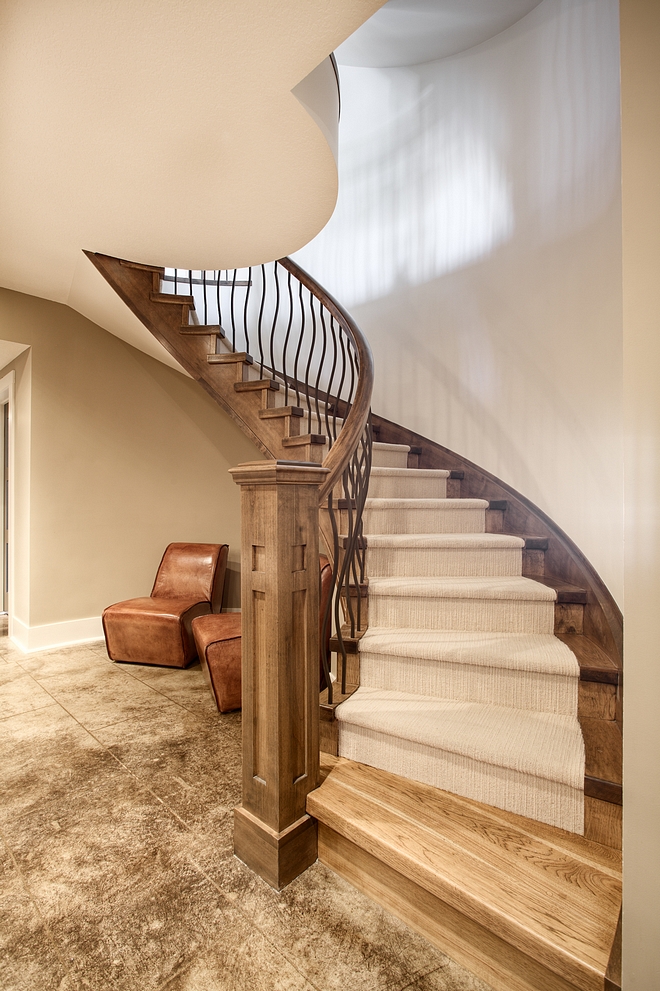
column 563, row 560
column 550, row 894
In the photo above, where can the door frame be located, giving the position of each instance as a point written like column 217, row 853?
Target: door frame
column 7, row 396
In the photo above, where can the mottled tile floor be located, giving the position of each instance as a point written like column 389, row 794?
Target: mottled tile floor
column 116, row 865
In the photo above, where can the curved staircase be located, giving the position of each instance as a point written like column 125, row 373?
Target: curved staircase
column 473, row 664
column 463, row 684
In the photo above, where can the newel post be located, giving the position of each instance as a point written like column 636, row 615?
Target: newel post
column 273, row 834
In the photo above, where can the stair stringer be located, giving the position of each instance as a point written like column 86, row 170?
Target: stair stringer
column 135, row 285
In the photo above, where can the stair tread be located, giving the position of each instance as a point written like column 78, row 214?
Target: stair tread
column 316, row 439
column 553, row 895
column 480, row 587
column 202, row 330
column 538, row 652
column 457, row 540
column 255, row 385
column 448, row 504
column 409, row 472
column 565, row 591
column 594, row 663
column 280, row 411
column 381, row 446
column 542, row 744
column 168, row 297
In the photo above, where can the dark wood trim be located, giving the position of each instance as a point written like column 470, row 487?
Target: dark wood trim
column 605, row 791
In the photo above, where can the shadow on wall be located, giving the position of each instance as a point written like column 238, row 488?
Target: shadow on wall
column 442, row 162
column 477, row 242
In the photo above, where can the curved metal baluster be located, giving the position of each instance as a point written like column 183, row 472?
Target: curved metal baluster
column 301, row 334
column 260, row 321
column 203, row 274
column 231, row 310
column 332, row 437
column 219, row 306
column 321, row 362
column 286, row 341
column 246, row 333
column 309, row 363
column 341, row 380
column 273, row 325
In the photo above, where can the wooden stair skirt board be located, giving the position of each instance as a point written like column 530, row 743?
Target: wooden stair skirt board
column 524, row 906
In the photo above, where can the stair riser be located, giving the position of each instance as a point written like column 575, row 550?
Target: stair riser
column 407, row 488
column 483, row 615
column 431, row 562
column 529, row 690
column 449, row 520
column 389, row 459
column 537, row 798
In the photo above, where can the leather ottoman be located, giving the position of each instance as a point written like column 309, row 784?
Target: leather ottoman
column 218, row 640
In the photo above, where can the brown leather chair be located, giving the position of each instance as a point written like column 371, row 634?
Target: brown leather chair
column 218, row 640
column 157, row 629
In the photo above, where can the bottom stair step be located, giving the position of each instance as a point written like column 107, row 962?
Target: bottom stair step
column 530, row 763
column 524, row 906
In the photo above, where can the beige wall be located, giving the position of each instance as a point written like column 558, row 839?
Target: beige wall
column 19, row 578
column 640, row 84
column 123, row 455
column 477, row 241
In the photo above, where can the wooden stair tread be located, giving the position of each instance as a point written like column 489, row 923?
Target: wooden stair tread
column 278, row 411
column 565, row 591
column 328, row 708
column 157, row 269
column 594, row 663
column 552, row 895
column 168, row 297
column 316, row 439
column 202, row 330
column 231, row 358
column 255, row 386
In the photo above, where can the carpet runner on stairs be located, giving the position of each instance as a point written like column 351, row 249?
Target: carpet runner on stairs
column 463, row 685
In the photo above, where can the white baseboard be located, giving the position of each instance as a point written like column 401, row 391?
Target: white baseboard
column 72, row 631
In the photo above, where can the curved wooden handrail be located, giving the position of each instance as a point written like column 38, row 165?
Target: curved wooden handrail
column 343, row 449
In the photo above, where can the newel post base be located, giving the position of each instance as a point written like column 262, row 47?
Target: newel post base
column 273, row 834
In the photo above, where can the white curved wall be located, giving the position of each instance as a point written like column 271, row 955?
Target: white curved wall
column 477, row 241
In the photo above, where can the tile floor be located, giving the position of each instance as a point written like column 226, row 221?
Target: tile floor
column 116, row 865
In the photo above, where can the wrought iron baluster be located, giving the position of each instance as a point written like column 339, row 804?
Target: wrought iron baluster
column 273, row 325
column 286, row 341
column 309, row 363
column 246, row 332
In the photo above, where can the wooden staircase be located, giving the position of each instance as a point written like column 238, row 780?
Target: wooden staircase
column 527, row 907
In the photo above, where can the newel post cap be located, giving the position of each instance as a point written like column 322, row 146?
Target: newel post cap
column 279, row 472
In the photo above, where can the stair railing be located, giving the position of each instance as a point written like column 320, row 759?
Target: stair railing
column 250, row 337
column 297, row 334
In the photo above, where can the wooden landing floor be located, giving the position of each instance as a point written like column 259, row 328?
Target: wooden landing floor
column 525, row 906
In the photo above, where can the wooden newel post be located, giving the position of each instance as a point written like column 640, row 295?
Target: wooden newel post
column 273, row 834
